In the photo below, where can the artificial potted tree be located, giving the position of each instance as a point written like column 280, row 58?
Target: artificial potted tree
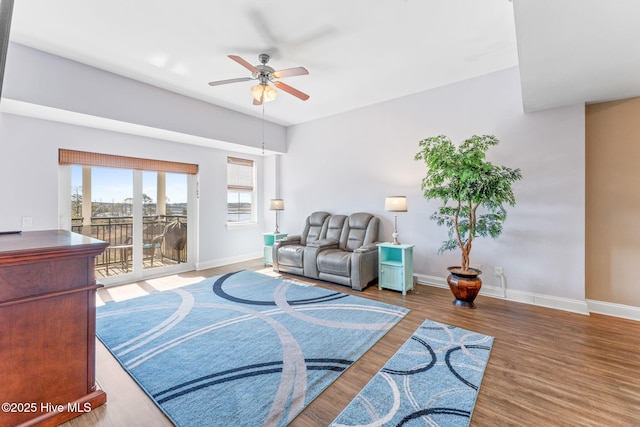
column 473, row 192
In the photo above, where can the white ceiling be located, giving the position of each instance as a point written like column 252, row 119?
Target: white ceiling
column 358, row 52
column 574, row 51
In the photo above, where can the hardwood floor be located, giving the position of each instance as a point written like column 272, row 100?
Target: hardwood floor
column 547, row 367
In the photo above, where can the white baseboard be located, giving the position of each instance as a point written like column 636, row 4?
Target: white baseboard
column 226, row 261
column 612, row 309
column 566, row 304
column 438, row 282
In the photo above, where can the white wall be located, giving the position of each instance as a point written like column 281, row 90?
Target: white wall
column 30, row 180
column 40, row 78
column 346, row 163
column 29, row 156
column 352, row 161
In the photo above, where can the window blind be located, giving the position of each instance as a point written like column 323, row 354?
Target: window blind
column 84, row 158
column 239, row 174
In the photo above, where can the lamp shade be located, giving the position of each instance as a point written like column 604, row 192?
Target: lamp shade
column 269, row 93
column 276, row 205
column 264, row 93
column 257, row 91
column 395, row 204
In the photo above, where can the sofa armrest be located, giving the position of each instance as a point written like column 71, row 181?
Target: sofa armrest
column 324, row 244
column 364, row 266
column 367, row 248
column 289, row 240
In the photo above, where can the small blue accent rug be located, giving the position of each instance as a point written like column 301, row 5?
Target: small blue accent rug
column 242, row 349
column 432, row 380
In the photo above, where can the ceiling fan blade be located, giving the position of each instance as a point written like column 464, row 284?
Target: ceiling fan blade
column 244, row 63
column 224, row 82
column 289, row 72
column 292, row 91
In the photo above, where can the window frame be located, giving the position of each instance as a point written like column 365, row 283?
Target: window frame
column 68, row 158
column 242, row 188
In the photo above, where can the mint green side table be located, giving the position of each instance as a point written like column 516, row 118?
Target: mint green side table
column 395, row 267
column 269, row 240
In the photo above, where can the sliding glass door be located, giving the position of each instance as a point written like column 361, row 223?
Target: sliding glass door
column 164, row 219
column 143, row 215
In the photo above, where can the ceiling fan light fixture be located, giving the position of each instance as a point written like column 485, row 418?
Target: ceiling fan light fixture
column 256, row 92
column 263, row 92
column 270, row 93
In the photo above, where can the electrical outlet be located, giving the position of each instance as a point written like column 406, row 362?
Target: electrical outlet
column 27, row 221
column 499, row 271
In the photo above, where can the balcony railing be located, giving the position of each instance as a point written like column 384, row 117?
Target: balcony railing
column 118, row 231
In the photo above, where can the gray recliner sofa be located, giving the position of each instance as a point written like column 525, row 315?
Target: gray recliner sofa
column 342, row 249
column 288, row 253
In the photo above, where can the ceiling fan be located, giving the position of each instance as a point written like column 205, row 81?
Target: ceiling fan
column 263, row 92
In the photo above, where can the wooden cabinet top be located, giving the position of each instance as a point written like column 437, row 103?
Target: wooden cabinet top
column 47, row 244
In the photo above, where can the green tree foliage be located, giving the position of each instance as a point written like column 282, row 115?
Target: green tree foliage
column 76, row 202
column 472, row 189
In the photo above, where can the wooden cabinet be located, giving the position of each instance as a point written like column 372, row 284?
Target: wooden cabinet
column 47, row 327
column 395, row 267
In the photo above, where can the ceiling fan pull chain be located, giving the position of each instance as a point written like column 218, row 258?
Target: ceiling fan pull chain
column 263, row 128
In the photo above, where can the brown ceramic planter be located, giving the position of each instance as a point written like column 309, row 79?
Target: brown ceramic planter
column 465, row 287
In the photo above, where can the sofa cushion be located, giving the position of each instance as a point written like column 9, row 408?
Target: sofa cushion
column 315, row 228
column 335, row 261
column 358, row 227
column 335, row 227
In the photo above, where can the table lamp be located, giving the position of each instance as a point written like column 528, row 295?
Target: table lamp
column 395, row 204
column 276, row 205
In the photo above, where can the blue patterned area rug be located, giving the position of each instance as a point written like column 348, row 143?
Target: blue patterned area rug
column 242, row 349
column 432, row 380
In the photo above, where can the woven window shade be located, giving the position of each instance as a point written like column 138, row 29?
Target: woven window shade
column 239, row 174
column 84, row 158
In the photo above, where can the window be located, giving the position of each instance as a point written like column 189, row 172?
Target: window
column 139, row 206
column 240, row 190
